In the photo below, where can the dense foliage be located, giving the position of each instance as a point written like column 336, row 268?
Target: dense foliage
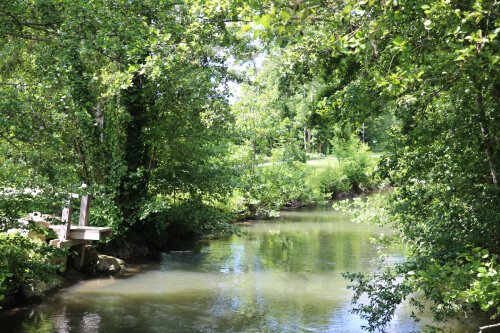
column 129, row 101
column 434, row 66
column 127, row 98
column 278, row 128
column 24, row 261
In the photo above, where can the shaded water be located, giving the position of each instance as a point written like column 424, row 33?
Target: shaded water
column 283, row 276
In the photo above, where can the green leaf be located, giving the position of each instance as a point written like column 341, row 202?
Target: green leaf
column 246, row 27
column 485, row 307
column 399, row 41
column 285, row 16
column 265, row 20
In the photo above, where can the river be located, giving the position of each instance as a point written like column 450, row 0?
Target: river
column 284, row 275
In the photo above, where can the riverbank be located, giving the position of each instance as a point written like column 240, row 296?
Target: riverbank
column 138, row 249
column 273, row 188
column 282, row 275
column 97, row 265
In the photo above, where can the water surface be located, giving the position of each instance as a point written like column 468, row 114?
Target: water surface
column 282, row 276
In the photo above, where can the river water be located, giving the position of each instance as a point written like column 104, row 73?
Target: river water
column 282, row 276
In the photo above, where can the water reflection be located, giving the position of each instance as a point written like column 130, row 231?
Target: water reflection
column 283, row 276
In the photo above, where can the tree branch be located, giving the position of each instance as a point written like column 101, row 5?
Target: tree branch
column 14, row 145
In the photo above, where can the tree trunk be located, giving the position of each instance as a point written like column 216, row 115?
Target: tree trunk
column 307, row 139
column 134, row 185
column 485, row 134
column 363, row 133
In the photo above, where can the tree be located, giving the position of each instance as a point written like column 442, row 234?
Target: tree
column 128, row 98
column 435, row 66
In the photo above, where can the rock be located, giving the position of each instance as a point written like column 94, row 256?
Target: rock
column 38, row 289
column 108, row 265
column 91, row 256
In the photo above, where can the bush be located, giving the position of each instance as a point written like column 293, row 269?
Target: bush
column 24, row 260
column 272, row 186
column 184, row 218
column 331, row 180
column 193, row 216
column 356, row 174
column 355, row 162
column 268, row 187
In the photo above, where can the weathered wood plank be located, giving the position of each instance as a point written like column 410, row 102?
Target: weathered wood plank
column 85, row 210
column 83, row 233
column 66, row 220
column 89, row 233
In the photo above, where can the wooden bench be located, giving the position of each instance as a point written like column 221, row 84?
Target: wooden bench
column 78, row 236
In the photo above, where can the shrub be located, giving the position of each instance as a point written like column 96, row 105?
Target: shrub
column 355, row 162
column 331, row 180
column 272, row 186
column 24, row 260
column 184, row 217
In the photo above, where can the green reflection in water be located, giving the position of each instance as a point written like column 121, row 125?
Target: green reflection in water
column 283, row 276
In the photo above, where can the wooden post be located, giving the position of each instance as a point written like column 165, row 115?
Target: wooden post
column 66, row 220
column 84, row 210
column 80, row 256
column 84, row 221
